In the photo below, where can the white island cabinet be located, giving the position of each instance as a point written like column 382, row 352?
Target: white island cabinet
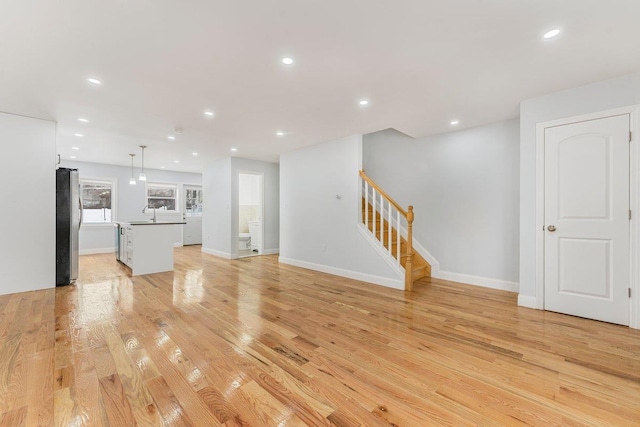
column 146, row 247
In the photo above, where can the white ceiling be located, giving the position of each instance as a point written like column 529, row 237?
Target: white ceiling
column 421, row 63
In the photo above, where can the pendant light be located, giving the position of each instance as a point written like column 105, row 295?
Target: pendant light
column 142, row 176
column 132, row 181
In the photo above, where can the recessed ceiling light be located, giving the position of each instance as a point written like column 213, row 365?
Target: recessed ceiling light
column 161, row 167
column 280, row 133
column 83, row 120
column 234, row 149
column 209, row 113
column 79, row 135
column 176, row 161
column 287, row 61
column 75, row 148
column 454, row 122
column 171, row 137
column 72, row 157
column 551, row 33
column 195, row 154
column 94, row 81
column 364, row 102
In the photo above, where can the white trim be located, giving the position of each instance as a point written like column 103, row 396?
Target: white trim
column 384, row 254
column 271, row 251
column 217, row 253
column 485, row 282
column 177, row 244
column 376, row 280
column 634, row 113
column 527, row 301
column 97, row 251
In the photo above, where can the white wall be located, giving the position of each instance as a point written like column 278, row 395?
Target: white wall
column 28, row 176
column 220, row 218
column 216, row 214
column 319, row 231
column 464, row 189
column 601, row 96
column 130, row 200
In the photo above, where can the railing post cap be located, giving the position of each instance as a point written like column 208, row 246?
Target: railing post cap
column 410, row 207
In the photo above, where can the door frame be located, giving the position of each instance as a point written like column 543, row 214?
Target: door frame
column 236, row 220
column 634, row 201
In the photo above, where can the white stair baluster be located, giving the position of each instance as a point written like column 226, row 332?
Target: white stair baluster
column 366, row 204
column 373, row 211
column 390, row 228
column 399, row 239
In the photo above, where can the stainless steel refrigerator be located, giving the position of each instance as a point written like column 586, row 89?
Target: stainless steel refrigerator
column 68, row 221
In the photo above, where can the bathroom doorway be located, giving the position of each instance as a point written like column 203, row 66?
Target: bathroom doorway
column 250, row 214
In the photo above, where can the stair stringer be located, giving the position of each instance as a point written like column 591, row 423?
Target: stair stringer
column 433, row 262
column 382, row 251
column 417, row 246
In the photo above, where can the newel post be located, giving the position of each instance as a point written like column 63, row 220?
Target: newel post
column 408, row 279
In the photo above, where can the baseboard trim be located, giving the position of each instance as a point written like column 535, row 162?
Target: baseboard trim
column 217, row 253
column 527, row 301
column 177, row 244
column 376, row 280
column 97, row 251
column 485, row 282
column 271, row 251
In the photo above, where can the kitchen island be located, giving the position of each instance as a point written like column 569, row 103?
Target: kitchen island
column 145, row 246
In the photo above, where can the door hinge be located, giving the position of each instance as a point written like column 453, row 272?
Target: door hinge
column 629, row 213
column 630, row 135
column 629, row 292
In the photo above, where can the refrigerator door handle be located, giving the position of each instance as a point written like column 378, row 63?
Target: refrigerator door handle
column 81, row 212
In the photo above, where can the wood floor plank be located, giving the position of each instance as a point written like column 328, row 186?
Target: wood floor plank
column 252, row 342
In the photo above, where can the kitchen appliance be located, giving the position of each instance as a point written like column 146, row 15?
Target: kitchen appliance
column 68, row 221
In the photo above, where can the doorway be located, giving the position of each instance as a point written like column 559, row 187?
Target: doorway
column 586, row 216
column 250, row 241
column 192, row 215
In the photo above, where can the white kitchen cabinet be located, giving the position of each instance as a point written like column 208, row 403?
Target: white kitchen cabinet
column 147, row 247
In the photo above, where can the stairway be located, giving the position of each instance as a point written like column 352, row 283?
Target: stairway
column 420, row 267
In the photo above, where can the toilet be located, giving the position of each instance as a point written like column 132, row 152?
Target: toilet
column 244, row 241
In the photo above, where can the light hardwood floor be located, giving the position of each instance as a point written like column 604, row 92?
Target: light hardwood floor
column 252, row 342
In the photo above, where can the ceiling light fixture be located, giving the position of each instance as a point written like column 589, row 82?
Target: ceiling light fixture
column 161, row 167
column 364, row 102
column 208, row 113
column 132, row 181
column 287, row 61
column 195, row 154
column 551, row 33
column 142, row 176
column 280, row 133
column 454, row 122
column 83, row 120
column 75, row 148
column 94, row 81
column 79, row 135
column 176, row 161
column 234, row 149
column 72, row 157
column 171, row 137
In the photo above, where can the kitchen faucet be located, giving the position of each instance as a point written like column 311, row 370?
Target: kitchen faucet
column 144, row 210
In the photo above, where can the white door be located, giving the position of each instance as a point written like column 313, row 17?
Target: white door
column 586, row 248
column 192, row 230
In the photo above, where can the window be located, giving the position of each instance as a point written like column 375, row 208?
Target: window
column 97, row 196
column 163, row 197
column 193, row 201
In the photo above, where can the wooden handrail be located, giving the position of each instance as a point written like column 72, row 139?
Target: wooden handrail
column 385, row 195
